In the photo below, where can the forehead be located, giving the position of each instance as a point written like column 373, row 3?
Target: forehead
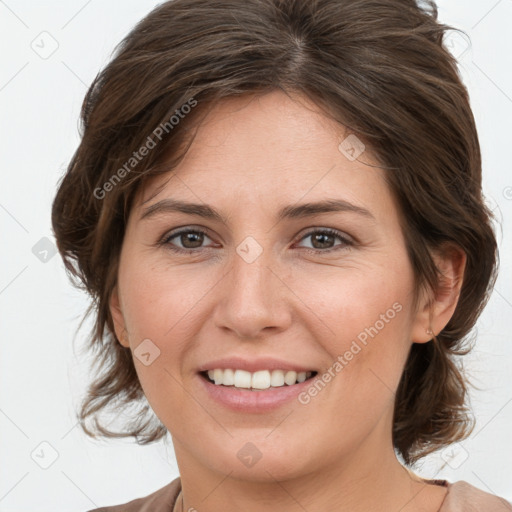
column 268, row 149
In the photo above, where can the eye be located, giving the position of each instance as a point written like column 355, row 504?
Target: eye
column 323, row 238
column 189, row 238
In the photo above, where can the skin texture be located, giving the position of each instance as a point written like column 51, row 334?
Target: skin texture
column 252, row 156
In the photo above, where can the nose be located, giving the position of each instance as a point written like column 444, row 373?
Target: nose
column 253, row 300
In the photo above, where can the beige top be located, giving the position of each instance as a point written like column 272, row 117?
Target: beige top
column 461, row 497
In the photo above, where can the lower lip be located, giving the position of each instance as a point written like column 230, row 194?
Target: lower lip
column 253, row 401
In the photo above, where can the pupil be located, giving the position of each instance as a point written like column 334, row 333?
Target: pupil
column 190, row 237
column 320, row 235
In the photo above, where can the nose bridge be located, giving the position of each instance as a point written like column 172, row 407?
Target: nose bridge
column 252, row 294
column 251, row 265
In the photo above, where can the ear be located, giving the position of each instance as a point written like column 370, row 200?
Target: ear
column 117, row 317
column 435, row 309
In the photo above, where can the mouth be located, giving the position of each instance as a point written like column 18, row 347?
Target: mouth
column 262, row 380
column 258, row 392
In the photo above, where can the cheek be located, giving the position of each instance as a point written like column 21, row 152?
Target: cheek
column 158, row 298
column 354, row 303
column 164, row 304
column 362, row 319
column 159, row 305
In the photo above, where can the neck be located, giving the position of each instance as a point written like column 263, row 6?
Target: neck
column 359, row 483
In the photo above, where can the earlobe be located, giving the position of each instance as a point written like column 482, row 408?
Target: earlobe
column 436, row 309
column 118, row 318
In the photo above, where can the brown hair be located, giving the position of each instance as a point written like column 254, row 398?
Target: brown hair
column 379, row 67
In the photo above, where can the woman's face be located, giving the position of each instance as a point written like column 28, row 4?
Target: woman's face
column 253, row 287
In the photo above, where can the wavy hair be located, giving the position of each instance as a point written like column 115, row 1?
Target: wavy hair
column 380, row 68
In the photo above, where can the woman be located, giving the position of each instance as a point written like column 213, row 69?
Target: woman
column 276, row 206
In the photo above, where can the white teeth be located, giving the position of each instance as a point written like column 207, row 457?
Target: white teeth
column 242, row 379
column 301, row 376
column 228, row 379
column 277, row 378
column 262, row 379
column 290, row 377
column 218, row 375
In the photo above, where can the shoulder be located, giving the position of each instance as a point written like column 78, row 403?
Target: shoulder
column 463, row 497
column 162, row 500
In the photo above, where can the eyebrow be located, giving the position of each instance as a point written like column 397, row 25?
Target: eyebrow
column 169, row 205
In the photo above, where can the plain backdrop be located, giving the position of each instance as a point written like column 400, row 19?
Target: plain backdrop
column 51, row 51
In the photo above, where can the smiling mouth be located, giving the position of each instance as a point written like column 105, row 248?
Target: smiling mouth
column 256, row 381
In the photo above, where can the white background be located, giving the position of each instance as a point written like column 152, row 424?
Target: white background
column 43, row 373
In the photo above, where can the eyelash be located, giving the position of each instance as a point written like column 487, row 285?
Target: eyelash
column 328, row 231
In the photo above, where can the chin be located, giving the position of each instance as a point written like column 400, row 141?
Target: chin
column 261, row 461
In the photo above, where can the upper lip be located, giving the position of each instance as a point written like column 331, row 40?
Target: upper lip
column 253, row 365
